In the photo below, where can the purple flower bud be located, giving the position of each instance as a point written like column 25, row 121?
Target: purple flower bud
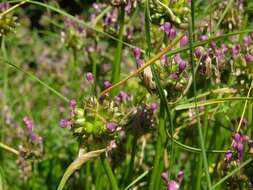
column 177, row 59
column 224, row 48
column 173, row 33
column 235, row 51
column 199, row 52
column 246, row 40
column 137, row 53
column 240, row 148
column 111, row 126
column 245, row 138
column 64, row 123
column 183, row 41
column 72, row 104
column 164, row 176
column 237, row 137
column 107, row 84
column 228, row 155
column 4, row 6
column 172, row 185
column 29, row 124
column 153, row 107
column 89, row 76
column 140, row 62
column 213, row 45
column 248, row 58
column 128, row 7
column 166, row 27
column 182, row 66
column 180, row 176
column 203, row 37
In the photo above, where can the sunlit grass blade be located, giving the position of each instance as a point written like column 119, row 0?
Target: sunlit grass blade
column 75, row 165
column 9, row 149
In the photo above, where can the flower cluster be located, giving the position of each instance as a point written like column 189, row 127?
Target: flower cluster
column 73, row 34
column 30, row 150
column 8, row 22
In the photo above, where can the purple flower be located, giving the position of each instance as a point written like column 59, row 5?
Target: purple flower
column 173, row 33
column 181, row 63
column 137, row 53
column 4, row 6
column 237, row 137
column 107, row 84
column 183, row 41
column 166, row 27
column 172, row 185
column 128, row 7
column 203, row 37
column 140, row 62
column 213, row 45
column 153, row 107
column 72, row 104
column 229, row 155
column 89, row 76
column 111, row 126
column 199, row 52
column 246, row 40
column 224, row 48
column 29, row 124
column 64, row 123
column 164, row 176
column 180, row 176
column 248, row 58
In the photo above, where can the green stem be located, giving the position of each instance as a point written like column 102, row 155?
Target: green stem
column 87, row 176
column 155, row 176
column 129, row 173
column 109, row 173
column 117, row 59
column 201, row 138
column 199, row 174
column 94, row 70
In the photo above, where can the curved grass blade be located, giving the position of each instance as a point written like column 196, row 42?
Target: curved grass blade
column 137, row 180
column 75, row 165
column 38, row 80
